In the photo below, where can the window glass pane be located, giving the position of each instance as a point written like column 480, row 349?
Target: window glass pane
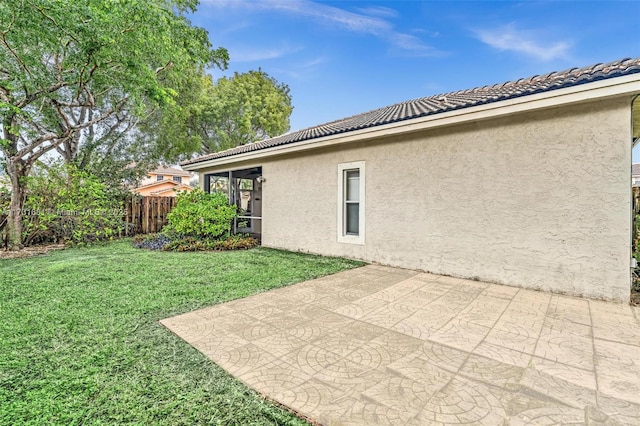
column 246, row 184
column 219, row 184
column 352, row 213
column 353, row 185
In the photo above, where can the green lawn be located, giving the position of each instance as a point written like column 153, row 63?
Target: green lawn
column 80, row 341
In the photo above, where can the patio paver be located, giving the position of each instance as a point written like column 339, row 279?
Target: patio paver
column 386, row 346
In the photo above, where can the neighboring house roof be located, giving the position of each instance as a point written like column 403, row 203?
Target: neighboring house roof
column 158, row 183
column 163, row 187
column 170, row 171
column 178, row 188
column 442, row 103
column 635, row 169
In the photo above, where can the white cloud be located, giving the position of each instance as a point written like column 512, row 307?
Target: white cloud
column 237, row 26
column 302, row 70
column 380, row 11
column 315, row 62
column 371, row 21
column 509, row 38
column 240, row 54
column 411, row 43
column 348, row 20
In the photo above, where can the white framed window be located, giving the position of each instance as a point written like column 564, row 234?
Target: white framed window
column 351, row 199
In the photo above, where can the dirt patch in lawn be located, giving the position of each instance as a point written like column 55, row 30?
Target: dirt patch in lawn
column 30, row 251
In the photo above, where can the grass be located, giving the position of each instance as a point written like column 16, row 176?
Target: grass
column 80, row 340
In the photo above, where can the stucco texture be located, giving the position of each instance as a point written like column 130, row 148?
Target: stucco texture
column 539, row 199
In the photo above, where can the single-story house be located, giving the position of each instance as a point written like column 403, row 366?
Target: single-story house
column 525, row 183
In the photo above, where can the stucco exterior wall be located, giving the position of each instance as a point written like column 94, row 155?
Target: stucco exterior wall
column 538, row 200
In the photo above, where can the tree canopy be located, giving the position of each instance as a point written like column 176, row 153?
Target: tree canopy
column 242, row 109
column 69, row 66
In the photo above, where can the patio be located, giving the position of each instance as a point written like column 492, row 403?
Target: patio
column 379, row 345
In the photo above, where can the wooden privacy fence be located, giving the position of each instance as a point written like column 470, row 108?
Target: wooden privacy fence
column 142, row 215
column 146, row 215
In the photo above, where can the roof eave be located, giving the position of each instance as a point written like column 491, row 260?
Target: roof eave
column 617, row 86
column 181, row 173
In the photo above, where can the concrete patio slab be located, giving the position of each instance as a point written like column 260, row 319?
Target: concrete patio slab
column 385, row 346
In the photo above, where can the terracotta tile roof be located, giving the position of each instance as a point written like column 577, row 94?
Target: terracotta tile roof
column 170, row 171
column 157, row 183
column 175, row 189
column 442, row 103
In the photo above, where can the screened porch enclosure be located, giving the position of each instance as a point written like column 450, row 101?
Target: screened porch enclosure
column 244, row 190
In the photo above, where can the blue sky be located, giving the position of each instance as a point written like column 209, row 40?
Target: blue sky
column 342, row 58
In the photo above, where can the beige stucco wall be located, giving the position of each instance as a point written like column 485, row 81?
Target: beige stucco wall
column 538, row 200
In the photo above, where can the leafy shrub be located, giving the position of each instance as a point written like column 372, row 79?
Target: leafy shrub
column 190, row 244
column 174, row 243
column 235, row 242
column 65, row 204
column 201, row 215
column 198, row 222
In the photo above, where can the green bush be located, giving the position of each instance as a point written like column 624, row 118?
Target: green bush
column 237, row 242
column 64, row 204
column 201, row 215
column 177, row 243
column 234, row 242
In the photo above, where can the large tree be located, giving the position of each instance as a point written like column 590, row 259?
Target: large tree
column 126, row 146
column 242, row 109
column 67, row 66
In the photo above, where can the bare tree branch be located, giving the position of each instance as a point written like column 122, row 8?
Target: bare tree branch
column 5, row 95
column 35, row 95
column 39, row 153
column 74, row 104
column 61, row 137
column 167, row 66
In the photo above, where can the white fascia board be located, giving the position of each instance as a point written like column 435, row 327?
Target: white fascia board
column 607, row 88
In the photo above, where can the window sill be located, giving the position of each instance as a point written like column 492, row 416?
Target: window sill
column 351, row 239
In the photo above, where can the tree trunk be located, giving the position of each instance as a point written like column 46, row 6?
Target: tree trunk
column 17, row 172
